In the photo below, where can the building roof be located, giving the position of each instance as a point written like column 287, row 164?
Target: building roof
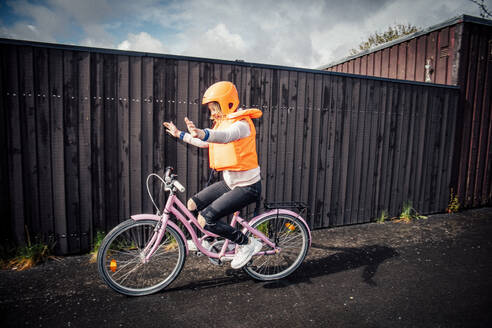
column 449, row 22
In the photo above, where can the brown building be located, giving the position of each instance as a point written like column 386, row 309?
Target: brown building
column 456, row 52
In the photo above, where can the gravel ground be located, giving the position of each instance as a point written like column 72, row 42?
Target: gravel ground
column 428, row 273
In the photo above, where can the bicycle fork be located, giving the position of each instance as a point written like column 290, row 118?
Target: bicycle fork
column 157, row 236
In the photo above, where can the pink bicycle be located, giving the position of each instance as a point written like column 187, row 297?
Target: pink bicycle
column 144, row 254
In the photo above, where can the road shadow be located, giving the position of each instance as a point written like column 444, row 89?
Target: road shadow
column 340, row 259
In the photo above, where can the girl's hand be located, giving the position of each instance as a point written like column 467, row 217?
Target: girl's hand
column 171, row 129
column 194, row 131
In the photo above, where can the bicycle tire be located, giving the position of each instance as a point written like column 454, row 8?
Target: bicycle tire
column 291, row 235
column 120, row 256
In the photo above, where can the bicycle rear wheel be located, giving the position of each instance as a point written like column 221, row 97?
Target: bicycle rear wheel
column 120, row 258
column 291, row 236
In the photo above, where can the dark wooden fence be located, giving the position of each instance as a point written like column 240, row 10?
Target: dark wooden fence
column 81, row 130
column 460, row 53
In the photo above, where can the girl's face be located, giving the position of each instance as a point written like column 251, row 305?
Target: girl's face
column 215, row 112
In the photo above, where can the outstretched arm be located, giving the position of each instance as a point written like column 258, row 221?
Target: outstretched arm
column 172, row 130
column 237, row 130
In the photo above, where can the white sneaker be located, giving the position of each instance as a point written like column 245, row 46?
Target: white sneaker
column 245, row 253
column 192, row 247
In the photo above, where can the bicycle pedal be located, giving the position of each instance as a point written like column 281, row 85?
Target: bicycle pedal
column 226, row 258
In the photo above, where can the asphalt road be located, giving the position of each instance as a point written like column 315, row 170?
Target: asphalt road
column 428, row 273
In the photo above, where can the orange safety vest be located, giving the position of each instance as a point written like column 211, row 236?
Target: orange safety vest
column 238, row 155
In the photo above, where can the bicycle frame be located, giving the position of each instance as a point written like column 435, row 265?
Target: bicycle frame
column 177, row 208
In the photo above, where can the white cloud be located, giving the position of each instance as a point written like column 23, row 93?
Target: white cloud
column 220, row 36
column 289, row 32
column 142, row 42
column 217, row 42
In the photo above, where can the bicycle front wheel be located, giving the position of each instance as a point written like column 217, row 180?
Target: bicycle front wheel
column 121, row 258
column 291, row 236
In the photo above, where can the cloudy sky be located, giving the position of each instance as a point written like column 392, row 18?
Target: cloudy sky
column 300, row 33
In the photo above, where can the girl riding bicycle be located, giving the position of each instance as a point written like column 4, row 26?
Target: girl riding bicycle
column 232, row 149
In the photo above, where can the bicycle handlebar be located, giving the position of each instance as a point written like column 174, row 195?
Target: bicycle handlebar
column 178, row 186
column 169, row 169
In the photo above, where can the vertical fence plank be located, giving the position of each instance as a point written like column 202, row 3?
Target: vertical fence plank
column 476, row 142
column 273, row 137
column 5, row 93
column 193, row 152
column 400, row 128
column 352, row 98
column 487, row 185
column 183, row 104
column 160, row 102
column 29, row 140
column 362, row 194
column 346, row 156
column 111, row 142
column 301, row 130
column 486, row 195
column 444, row 151
column 122, row 103
column 326, row 95
column 170, row 105
column 316, row 208
column 135, row 101
column 411, row 146
column 16, row 178
column 381, row 150
column 332, row 157
column 208, row 76
column 424, row 137
column 57, row 148
column 308, row 144
column 41, row 94
column 71, row 138
column 336, row 118
column 170, row 114
column 264, row 141
column 359, row 109
column 84, row 150
column 97, row 142
column 372, row 150
column 280, row 172
column 386, row 159
column 147, row 125
column 290, row 135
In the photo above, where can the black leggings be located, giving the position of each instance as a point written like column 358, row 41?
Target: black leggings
column 218, row 200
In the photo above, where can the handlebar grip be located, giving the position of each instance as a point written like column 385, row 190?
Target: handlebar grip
column 179, row 186
column 169, row 169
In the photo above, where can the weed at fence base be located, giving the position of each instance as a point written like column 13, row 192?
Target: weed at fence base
column 97, row 243
column 408, row 213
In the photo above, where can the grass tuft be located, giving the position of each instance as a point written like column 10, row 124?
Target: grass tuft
column 25, row 257
column 454, row 204
column 408, row 213
column 97, row 243
column 383, row 217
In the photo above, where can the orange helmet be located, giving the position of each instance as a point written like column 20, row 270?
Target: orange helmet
column 225, row 93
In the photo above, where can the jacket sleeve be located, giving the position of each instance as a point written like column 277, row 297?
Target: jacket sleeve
column 236, row 131
column 195, row 141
